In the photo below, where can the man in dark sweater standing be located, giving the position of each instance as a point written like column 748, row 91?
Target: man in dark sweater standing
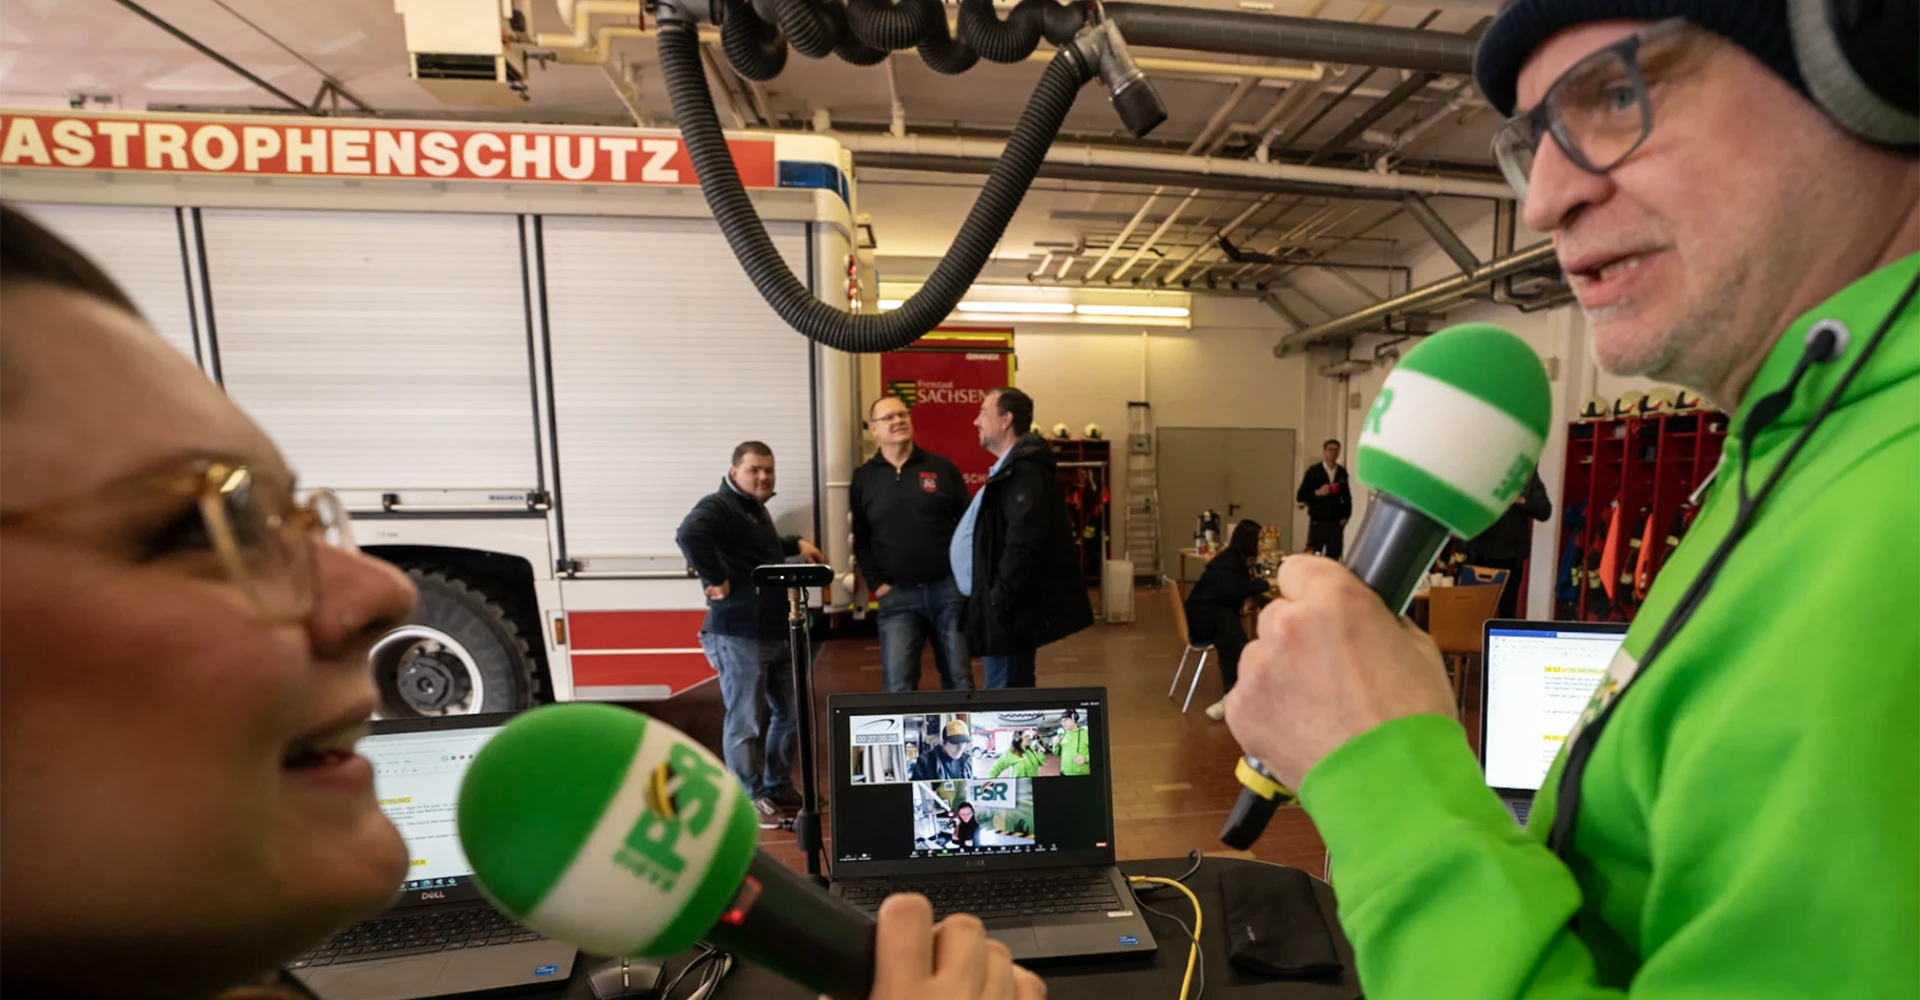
column 1504, row 546
column 1014, row 554
column 906, row 502
column 727, row 534
column 1329, row 501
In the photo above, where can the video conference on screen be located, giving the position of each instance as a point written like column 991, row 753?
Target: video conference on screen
column 1032, row 743
column 952, row 817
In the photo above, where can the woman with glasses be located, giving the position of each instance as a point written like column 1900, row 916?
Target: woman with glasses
column 184, row 633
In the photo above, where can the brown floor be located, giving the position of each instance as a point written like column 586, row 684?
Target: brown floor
column 1173, row 773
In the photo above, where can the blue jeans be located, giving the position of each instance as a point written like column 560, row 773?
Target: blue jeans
column 911, row 614
column 1015, row 670
column 756, row 678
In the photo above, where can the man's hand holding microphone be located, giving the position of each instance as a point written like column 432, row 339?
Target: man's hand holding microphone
column 1452, row 438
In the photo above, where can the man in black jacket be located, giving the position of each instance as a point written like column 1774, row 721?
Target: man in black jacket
column 727, row 534
column 1329, row 501
column 905, row 503
column 1014, row 553
column 1504, row 546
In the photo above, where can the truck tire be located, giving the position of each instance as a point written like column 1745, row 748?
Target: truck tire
column 460, row 654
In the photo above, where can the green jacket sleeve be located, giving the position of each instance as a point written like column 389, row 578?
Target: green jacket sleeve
column 1780, row 860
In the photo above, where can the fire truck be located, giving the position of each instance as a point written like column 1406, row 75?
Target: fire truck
column 519, row 353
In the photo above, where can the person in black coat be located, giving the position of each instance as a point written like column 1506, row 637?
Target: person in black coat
column 1504, row 546
column 1213, row 608
column 1014, row 554
column 1328, row 497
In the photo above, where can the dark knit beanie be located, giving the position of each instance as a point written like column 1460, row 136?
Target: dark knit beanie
column 1759, row 26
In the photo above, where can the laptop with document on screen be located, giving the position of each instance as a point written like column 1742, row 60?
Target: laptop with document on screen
column 440, row 937
column 1536, row 679
column 994, row 803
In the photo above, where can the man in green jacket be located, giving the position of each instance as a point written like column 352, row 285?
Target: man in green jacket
column 1074, row 755
column 1746, row 822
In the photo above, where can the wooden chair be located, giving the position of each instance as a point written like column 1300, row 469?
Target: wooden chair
column 1454, row 619
column 1205, row 649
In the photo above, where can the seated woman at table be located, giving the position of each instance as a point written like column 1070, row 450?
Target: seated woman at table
column 185, row 673
column 1213, row 609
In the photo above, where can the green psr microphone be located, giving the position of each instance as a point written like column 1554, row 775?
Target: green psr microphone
column 621, row 836
column 1451, row 440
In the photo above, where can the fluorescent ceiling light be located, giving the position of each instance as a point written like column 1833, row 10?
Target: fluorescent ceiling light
column 1166, row 312
column 1034, row 308
column 887, row 305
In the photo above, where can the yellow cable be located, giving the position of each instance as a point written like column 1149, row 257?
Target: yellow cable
column 1193, row 953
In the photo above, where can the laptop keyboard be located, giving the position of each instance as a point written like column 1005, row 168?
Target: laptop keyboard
column 445, row 929
column 1522, row 808
column 1005, row 896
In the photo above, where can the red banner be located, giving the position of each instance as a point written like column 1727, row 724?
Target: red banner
column 944, row 377
column 306, row 147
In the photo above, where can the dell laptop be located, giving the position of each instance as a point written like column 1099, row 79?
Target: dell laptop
column 994, row 803
column 441, row 937
column 1536, row 680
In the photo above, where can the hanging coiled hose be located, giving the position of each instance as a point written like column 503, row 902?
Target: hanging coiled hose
column 863, row 32
column 942, row 52
column 1009, row 41
column 848, row 46
column 884, row 24
column 686, row 80
column 756, row 50
column 809, row 26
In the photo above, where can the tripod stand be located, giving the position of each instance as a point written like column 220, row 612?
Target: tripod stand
column 797, row 578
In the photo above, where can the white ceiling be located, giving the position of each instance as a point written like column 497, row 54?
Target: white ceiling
column 53, row 52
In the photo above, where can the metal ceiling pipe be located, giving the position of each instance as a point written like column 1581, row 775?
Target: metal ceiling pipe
column 1161, row 230
column 1252, row 34
column 1132, row 224
column 1442, row 233
column 1191, row 168
column 1424, row 298
column 1209, row 242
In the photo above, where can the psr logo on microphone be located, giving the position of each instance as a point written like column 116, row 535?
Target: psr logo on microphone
column 650, row 848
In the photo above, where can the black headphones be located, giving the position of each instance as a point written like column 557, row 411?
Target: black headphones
column 1861, row 62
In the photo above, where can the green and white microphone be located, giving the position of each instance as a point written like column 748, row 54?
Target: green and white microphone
column 1451, row 440
column 619, row 835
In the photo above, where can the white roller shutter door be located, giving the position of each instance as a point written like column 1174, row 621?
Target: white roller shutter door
column 383, row 351
column 139, row 248
column 664, row 359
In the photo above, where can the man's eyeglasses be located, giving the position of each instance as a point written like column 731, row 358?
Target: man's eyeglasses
column 888, row 418
column 248, row 519
column 1598, row 111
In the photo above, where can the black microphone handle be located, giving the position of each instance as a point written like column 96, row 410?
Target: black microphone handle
column 1396, row 546
column 787, row 924
column 1397, row 543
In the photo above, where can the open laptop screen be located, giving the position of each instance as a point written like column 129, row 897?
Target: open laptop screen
column 952, row 781
column 1539, row 676
column 417, row 769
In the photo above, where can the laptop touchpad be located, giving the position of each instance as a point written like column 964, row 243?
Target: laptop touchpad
column 393, row 980
column 1019, row 940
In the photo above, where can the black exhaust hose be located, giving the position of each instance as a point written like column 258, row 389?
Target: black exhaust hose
column 884, row 24
column 942, row 52
column 755, row 49
column 808, row 28
column 1010, row 41
column 848, row 46
column 1062, row 21
column 686, row 78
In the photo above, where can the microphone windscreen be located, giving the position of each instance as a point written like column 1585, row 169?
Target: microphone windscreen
column 1458, row 426
column 605, row 829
